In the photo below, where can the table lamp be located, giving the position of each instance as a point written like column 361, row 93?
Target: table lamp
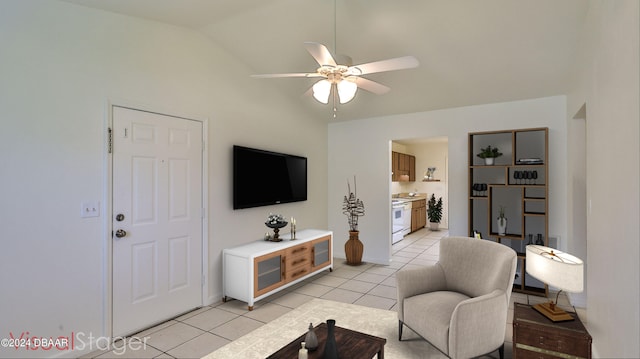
column 556, row 268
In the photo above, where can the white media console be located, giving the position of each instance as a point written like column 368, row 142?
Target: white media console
column 258, row 269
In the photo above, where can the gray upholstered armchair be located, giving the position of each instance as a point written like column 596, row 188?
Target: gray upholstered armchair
column 460, row 304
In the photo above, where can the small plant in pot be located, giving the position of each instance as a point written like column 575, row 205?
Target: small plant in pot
column 489, row 154
column 434, row 212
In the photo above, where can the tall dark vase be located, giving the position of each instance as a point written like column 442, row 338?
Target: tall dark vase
column 353, row 249
column 330, row 348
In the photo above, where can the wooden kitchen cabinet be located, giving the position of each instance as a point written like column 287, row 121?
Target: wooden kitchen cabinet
column 418, row 214
column 402, row 164
column 535, row 336
column 258, row 269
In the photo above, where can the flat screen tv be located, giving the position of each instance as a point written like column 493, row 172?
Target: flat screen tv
column 263, row 178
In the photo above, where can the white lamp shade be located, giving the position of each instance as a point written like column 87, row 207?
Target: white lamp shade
column 556, row 268
column 346, row 90
column 321, row 91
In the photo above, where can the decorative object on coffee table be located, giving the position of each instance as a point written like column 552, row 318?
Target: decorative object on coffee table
column 275, row 222
column 330, row 347
column 303, row 353
column 353, row 207
column 311, row 339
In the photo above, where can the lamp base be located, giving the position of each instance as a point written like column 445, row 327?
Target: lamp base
column 553, row 312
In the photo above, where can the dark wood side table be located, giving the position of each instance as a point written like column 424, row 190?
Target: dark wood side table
column 535, row 336
column 351, row 345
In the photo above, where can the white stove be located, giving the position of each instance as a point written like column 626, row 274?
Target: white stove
column 401, row 219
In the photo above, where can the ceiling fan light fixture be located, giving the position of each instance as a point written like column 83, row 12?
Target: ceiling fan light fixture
column 346, row 90
column 322, row 90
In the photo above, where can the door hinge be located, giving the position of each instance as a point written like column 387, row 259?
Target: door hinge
column 109, row 140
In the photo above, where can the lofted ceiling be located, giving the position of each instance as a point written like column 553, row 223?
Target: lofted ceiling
column 470, row 51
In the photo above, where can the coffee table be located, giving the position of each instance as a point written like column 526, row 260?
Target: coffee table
column 351, row 345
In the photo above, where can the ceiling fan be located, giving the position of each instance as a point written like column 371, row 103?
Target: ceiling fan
column 345, row 79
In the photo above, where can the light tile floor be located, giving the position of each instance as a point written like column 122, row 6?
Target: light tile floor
column 206, row 329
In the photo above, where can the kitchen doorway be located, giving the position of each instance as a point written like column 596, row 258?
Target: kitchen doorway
column 430, row 176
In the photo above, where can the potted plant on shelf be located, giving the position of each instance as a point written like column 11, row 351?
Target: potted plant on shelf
column 434, row 212
column 489, row 154
column 353, row 207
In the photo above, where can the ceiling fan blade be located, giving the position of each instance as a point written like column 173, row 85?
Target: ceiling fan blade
column 269, row 76
column 320, row 53
column 398, row 63
column 371, row 86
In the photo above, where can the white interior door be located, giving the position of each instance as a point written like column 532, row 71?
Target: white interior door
column 157, row 218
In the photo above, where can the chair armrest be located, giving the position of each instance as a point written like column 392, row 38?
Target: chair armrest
column 486, row 314
column 412, row 282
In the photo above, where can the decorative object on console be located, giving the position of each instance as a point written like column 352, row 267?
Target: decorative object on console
column 434, row 212
column 353, row 207
column 558, row 269
column 311, row 339
column 293, row 228
column 502, row 222
column 489, row 154
column 275, row 221
column 330, row 347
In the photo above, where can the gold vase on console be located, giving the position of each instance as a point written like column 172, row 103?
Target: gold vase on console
column 353, row 249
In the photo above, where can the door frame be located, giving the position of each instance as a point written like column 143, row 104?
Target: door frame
column 108, row 202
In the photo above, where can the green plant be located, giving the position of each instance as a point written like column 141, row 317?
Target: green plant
column 489, row 152
column 434, row 209
column 352, row 206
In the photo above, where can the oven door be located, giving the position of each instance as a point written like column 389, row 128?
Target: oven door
column 397, row 215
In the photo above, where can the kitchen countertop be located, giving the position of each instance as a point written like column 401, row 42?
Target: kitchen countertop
column 407, row 199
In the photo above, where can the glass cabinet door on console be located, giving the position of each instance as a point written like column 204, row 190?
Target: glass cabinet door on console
column 321, row 252
column 269, row 273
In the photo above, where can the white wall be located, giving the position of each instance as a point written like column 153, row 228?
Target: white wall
column 607, row 80
column 61, row 65
column 370, row 162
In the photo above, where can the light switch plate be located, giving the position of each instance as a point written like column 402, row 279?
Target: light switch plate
column 90, row 209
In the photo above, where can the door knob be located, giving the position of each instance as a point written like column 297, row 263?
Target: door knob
column 121, row 233
column 120, row 217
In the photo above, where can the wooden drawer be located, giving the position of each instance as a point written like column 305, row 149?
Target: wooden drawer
column 551, row 342
column 528, row 354
column 419, row 203
column 534, row 336
column 297, row 261
column 301, row 250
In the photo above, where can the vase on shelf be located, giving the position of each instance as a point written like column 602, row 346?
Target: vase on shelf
column 502, row 226
column 353, row 249
column 489, row 161
column 330, row 347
